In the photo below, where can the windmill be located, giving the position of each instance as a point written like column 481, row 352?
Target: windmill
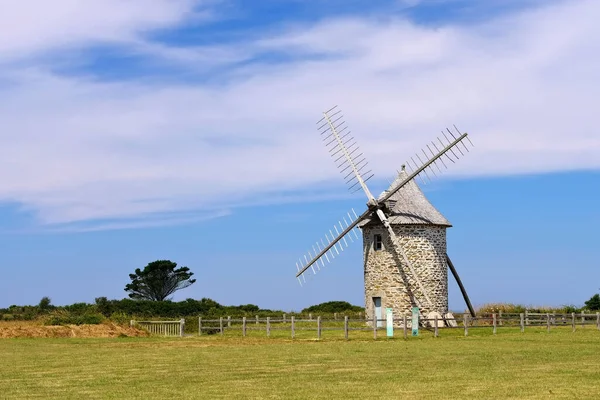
column 404, row 236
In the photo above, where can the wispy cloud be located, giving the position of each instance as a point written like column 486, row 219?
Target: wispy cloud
column 75, row 148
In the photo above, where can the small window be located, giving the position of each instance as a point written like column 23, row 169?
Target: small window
column 377, row 242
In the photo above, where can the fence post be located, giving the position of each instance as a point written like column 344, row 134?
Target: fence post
column 548, row 321
column 199, row 326
column 257, row 320
column 346, row 327
column 405, row 328
column 284, row 318
column 181, row 327
column 335, row 316
column 310, row 316
column 229, row 321
column 374, row 324
column 465, row 325
column 319, row 327
column 221, row 325
column 522, row 322
column 500, row 317
column 494, row 321
column 598, row 320
column 435, row 329
column 131, row 323
column 293, row 327
column 244, row 326
column 582, row 320
column 573, row 321
column 526, row 317
column 268, row 326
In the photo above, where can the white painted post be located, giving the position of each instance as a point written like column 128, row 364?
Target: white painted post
column 181, row 327
column 221, row 325
column 548, row 322
column 374, row 324
column 500, row 318
column 244, row 326
column 310, row 316
column 268, row 326
column 522, row 322
column 573, row 321
column 405, row 328
column 435, row 330
column 465, row 325
column 582, row 320
column 257, row 320
column 229, row 321
column 598, row 320
column 199, row 326
column 319, row 327
column 284, row 318
column 494, row 322
column 346, row 327
column 335, row 316
column 293, row 327
column 526, row 317
column 131, row 323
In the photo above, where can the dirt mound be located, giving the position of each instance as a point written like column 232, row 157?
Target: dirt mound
column 20, row 329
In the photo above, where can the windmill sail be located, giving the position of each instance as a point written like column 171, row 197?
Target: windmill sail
column 333, row 244
column 343, row 149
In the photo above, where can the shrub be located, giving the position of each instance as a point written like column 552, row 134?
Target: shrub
column 593, row 304
column 333, row 307
column 64, row 317
column 120, row 318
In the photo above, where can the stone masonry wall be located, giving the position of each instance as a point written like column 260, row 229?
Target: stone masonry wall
column 425, row 247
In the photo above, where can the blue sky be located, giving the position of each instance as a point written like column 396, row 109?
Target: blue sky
column 185, row 129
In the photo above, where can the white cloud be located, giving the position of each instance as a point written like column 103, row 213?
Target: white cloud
column 75, row 149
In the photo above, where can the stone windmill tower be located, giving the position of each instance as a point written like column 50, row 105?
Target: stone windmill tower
column 404, row 236
column 421, row 231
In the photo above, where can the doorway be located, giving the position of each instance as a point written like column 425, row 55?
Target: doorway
column 378, row 314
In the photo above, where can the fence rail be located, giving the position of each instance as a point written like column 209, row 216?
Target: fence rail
column 403, row 323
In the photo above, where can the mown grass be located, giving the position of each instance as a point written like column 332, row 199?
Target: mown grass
column 536, row 364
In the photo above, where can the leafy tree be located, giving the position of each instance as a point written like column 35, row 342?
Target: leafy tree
column 594, row 303
column 158, row 280
column 45, row 303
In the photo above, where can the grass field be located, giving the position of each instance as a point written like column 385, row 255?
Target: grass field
column 536, row 364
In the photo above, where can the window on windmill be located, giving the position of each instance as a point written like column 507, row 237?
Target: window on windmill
column 377, row 242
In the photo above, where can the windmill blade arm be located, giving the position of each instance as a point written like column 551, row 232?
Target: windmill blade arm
column 333, row 242
column 424, row 166
column 343, row 145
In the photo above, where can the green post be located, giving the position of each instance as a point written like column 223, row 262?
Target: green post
column 415, row 321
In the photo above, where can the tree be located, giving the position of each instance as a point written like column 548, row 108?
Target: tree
column 594, row 303
column 158, row 280
column 45, row 303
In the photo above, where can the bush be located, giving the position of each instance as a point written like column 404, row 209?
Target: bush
column 64, row 317
column 120, row 318
column 593, row 304
column 333, row 307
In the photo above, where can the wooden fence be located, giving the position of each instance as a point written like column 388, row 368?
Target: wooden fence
column 465, row 322
column 164, row 328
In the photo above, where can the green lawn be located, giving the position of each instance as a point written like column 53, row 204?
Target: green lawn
column 536, row 364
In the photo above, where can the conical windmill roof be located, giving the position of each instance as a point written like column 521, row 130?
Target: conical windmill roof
column 409, row 206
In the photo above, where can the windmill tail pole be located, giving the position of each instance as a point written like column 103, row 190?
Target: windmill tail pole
column 460, row 285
